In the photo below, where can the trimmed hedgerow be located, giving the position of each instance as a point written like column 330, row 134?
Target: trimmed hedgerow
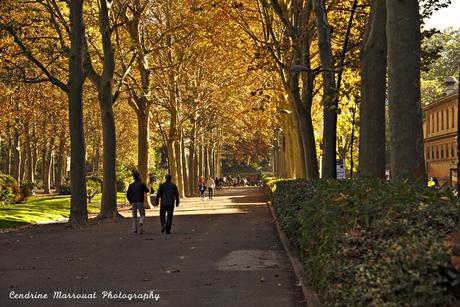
column 368, row 243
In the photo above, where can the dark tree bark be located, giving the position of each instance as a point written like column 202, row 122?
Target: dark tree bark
column 403, row 41
column 329, row 91
column 373, row 92
column 78, row 208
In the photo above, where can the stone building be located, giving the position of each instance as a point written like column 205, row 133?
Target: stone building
column 440, row 134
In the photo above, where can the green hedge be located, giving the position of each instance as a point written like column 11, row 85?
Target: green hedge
column 364, row 242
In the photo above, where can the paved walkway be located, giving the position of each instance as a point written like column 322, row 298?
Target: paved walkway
column 223, row 252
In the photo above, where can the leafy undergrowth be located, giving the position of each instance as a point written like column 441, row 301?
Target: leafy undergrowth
column 368, row 243
column 42, row 209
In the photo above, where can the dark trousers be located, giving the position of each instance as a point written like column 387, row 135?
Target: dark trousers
column 210, row 192
column 166, row 221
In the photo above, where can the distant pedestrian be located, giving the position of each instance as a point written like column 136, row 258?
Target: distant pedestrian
column 169, row 195
column 211, row 186
column 136, row 197
column 201, row 186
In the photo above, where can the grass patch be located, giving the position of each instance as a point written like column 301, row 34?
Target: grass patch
column 44, row 208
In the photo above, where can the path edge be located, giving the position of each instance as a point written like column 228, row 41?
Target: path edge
column 311, row 298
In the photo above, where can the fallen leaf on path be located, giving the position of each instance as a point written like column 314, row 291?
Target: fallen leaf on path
column 181, row 257
column 81, row 277
column 262, row 279
column 146, row 279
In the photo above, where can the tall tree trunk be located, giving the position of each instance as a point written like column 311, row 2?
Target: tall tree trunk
column 192, row 176
column 16, row 156
column 403, row 39
column 373, row 91
column 206, row 162
column 78, row 207
column 8, row 156
column 104, row 85
column 143, row 145
column 22, row 165
column 329, row 91
column 47, row 165
column 143, row 131
column 185, row 170
column 34, row 155
column 201, row 160
column 60, row 162
column 180, row 177
column 306, row 133
column 172, row 160
column 29, row 165
column 109, row 189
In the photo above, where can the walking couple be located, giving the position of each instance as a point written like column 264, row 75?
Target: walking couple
column 167, row 196
column 210, row 184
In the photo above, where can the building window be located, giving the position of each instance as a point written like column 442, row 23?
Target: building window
column 437, row 152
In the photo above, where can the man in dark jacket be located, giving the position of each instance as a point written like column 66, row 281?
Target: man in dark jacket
column 169, row 195
column 136, row 197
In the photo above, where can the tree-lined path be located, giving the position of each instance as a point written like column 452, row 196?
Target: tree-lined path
column 223, row 252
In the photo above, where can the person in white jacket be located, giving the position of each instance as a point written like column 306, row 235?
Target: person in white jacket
column 211, row 184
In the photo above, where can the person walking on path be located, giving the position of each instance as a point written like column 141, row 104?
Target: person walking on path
column 211, row 186
column 136, row 197
column 169, row 195
column 201, row 186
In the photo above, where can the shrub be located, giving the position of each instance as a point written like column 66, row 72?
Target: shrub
column 9, row 190
column 123, row 178
column 93, row 187
column 65, row 189
column 364, row 242
column 27, row 188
